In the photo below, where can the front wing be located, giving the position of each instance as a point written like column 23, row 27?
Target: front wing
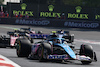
column 66, row 57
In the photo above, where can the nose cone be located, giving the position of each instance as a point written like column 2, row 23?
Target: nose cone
column 69, row 51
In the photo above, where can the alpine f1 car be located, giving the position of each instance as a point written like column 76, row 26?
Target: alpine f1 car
column 54, row 48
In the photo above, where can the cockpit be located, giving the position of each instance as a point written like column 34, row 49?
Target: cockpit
column 58, row 41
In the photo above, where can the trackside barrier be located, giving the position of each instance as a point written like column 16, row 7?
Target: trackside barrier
column 52, row 23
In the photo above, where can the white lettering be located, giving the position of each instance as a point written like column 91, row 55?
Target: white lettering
column 81, row 24
column 33, row 22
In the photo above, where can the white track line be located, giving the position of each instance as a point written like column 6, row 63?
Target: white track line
column 87, row 41
column 7, row 61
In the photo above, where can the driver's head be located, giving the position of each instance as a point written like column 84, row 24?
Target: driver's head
column 16, row 34
column 62, row 31
column 58, row 41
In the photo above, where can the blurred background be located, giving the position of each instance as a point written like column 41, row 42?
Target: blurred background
column 90, row 3
column 67, row 9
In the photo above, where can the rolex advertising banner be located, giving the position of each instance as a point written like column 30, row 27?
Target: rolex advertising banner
column 51, row 11
column 54, row 11
column 23, row 9
column 80, row 13
column 66, row 12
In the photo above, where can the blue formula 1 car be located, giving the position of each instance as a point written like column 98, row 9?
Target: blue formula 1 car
column 54, row 48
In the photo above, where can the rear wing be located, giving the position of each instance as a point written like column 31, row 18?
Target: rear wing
column 19, row 33
column 39, row 36
column 10, row 33
column 66, row 32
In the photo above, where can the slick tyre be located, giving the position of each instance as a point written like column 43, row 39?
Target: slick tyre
column 86, row 50
column 43, row 51
column 23, row 48
column 3, row 41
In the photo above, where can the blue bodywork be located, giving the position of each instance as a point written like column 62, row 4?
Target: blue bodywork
column 64, row 46
column 68, row 50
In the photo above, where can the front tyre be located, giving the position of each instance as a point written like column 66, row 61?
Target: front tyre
column 43, row 51
column 86, row 50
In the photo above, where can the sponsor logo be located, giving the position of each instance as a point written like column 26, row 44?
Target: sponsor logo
column 33, row 22
column 78, row 9
column 30, row 13
column 38, row 36
column 24, row 10
column 84, row 58
column 51, row 12
column 81, row 24
column 23, row 6
column 97, row 16
column 78, row 14
column 57, row 57
column 50, row 7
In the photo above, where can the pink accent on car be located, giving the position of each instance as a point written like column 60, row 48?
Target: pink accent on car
column 33, row 32
column 12, row 40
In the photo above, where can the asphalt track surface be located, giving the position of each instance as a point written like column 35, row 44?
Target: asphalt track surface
column 81, row 36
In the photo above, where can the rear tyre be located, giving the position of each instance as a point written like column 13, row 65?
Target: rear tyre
column 3, row 41
column 86, row 50
column 12, row 46
column 0, row 38
column 23, row 48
